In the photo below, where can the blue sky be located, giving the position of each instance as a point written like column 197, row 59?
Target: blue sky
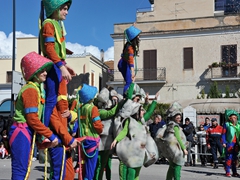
column 89, row 23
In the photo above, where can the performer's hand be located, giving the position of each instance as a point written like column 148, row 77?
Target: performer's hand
column 65, row 74
column 208, row 146
column 113, row 144
column 156, row 95
column 224, row 145
column 70, row 70
column 74, row 144
column 185, row 151
column 133, row 78
column 66, row 113
column 54, row 143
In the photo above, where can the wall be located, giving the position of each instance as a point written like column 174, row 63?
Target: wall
column 177, row 9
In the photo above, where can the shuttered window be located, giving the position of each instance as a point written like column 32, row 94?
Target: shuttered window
column 9, row 77
column 229, row 60
column 188, row 58
column 92, row 79
column 150, row 64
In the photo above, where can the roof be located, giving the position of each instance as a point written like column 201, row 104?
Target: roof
column 210, row 106
column 110, row 64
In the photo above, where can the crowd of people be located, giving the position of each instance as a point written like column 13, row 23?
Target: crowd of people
column 216, row 144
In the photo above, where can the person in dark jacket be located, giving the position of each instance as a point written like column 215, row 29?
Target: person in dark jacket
column 188, row 130
column 214, row 138
column 157, row 124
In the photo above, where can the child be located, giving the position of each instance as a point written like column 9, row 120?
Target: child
column 28, row 114
column 130, row 51
column 91, row 127
column 202, row 145
column 52, row 41
column 3, row 150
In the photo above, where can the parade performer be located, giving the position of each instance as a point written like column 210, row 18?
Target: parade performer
column 130, row 51
column 230, row 138
column 142, row 149
column 28, row 115
column 135, row 94
column 90, row 127
column 171, row 143
column 52, row 41
column 107, row 101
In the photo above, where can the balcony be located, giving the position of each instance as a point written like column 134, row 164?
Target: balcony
column 144, row 76
column 225, row 73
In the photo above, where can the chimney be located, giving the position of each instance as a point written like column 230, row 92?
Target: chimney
column 102, row 55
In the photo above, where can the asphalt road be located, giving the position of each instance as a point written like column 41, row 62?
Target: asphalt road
column 154, row 172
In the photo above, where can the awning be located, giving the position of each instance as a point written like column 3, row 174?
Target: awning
column 211, row 106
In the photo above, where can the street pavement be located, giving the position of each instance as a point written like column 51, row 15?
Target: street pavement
column 154, row 172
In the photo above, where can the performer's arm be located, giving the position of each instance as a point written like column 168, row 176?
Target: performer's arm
column 30, row 101
column 97, row 120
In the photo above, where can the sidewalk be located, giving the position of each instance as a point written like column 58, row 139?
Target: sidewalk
column 154, row 172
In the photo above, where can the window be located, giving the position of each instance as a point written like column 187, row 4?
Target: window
column 188, row 58
column 92, row 79
column 5, row 106
column 219, row 5
column 100, row 82
column 229, row 59
column 9, row 77
column 150, row 64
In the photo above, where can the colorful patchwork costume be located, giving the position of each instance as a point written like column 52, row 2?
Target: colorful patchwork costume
column 27, row 118
column 52, row 43
column 126, row 63
column 230, row 138
column 90, row 127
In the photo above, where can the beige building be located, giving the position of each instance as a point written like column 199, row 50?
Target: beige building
column 180, row 40
column 94, row 71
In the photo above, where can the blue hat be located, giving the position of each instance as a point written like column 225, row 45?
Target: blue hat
column 132, row 32
column 87, row 93
column 213, row 119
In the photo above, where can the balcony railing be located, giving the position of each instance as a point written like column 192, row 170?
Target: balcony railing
column 154, row 74
column 225, row 72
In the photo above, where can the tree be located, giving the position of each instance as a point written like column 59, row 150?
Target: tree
column 214, row 92
column 227, row 92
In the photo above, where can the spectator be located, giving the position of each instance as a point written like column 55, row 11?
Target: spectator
column 207, row 123
column 213, row 137
column 5, row 141
column 153, row 128
column 1, row 127
column 188, row 130
column 202, row 145
column 3, row 150
column 158, row 123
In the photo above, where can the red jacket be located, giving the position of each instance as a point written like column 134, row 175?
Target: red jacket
column 213, row 133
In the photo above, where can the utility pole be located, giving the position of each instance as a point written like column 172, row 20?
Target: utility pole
column 13, row 54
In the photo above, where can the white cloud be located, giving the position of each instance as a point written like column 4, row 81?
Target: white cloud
column 79, row 49
column 6, row 46
column 6, row 42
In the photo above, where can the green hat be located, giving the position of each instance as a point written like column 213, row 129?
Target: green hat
column 52, row 5
column 229, row 112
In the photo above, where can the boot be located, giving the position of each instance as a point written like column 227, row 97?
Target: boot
column 194, row 163
column 215, row 166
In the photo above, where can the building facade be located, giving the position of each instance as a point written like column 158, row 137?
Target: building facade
column 88, row 68
column 180, row 43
